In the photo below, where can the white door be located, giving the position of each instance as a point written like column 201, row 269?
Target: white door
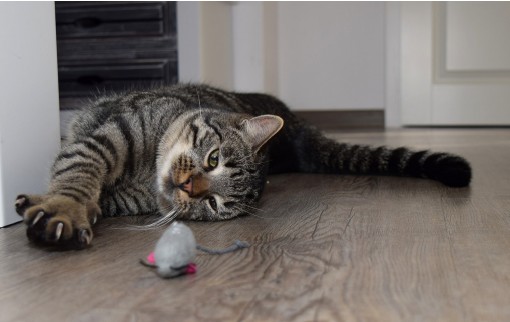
column 455, row 63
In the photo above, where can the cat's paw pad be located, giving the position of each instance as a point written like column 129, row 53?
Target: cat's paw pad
column 57, row 220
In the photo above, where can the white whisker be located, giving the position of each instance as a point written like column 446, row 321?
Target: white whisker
column 166, row 219
column 251, row 213
column 199, row 105
column 245, row 158
column 259, row 163
column 254, row 208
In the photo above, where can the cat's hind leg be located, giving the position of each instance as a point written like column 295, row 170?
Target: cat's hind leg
column 57, row 220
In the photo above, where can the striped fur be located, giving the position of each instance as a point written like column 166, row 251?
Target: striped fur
column 150, row 152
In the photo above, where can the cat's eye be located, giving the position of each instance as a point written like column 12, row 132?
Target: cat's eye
column 213, row 159
column 212, row 203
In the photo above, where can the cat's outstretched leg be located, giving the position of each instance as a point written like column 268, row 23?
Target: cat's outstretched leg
column 57, row 219
column 64, row 215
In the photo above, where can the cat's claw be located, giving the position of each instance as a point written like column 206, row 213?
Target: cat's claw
column 39, row 215
column 21, row 204
column 85, row 237
column 21, row 200
column 58, row 231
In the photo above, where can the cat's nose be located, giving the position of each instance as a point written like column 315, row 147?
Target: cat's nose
column 195, row 185
column 187, row 186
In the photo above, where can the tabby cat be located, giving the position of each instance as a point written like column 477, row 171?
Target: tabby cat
column 195, row 152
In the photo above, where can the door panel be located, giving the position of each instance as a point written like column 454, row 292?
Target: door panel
column 476, row 35
column 455, row 63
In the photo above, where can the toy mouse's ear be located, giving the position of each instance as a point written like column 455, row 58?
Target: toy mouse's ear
column 149, row 261
column 146, row 263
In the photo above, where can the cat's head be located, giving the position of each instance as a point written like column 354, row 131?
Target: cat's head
column 211, row 165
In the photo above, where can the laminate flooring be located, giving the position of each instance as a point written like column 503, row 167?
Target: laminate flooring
column 323, row 248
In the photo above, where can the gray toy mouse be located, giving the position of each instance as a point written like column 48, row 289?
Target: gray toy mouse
column 176, row 249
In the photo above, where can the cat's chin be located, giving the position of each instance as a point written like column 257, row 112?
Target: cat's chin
column 181, row 206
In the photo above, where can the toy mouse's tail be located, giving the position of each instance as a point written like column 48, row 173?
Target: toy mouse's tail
column 237, row 245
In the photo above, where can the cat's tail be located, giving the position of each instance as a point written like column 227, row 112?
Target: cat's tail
column 328, row 156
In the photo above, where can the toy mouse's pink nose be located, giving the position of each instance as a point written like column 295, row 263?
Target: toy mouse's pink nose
column 151, row 259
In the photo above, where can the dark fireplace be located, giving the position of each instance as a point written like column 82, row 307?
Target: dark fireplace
column 114, row 46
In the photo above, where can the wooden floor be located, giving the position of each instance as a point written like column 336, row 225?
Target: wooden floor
column 324, row 248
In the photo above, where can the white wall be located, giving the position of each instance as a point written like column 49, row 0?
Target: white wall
column 248, row 46
column 29, row 120
column 205, row 42
column 255, row 46
column 314, row 55
column 331, row 54
column 392, row 108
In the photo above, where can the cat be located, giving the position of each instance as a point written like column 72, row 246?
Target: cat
column 196, row 152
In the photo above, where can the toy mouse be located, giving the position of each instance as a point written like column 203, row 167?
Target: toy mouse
column 176, row 249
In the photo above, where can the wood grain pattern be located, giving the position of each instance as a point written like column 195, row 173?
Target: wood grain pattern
column 324, row 248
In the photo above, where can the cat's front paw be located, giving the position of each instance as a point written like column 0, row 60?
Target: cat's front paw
column 57, row 220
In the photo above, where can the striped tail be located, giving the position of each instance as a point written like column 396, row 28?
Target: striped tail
column 449, row 169
column 328, row 156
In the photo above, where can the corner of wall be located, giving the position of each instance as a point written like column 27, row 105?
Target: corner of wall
column 29, row 116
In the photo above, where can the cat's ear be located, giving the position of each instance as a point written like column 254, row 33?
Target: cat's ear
column 260, row 129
